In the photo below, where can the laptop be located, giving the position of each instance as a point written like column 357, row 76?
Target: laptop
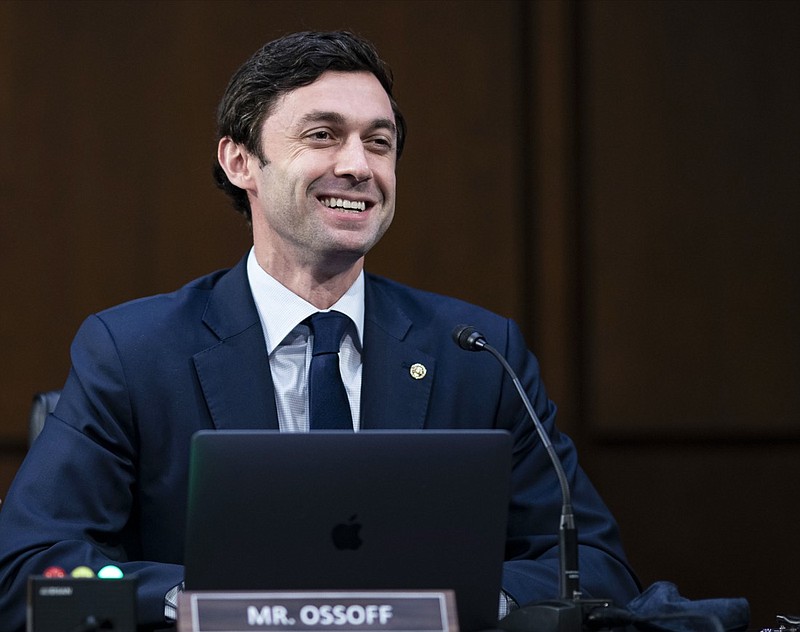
column 372, row 510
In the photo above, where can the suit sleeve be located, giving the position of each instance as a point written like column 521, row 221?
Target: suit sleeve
column 73, row 501
column 531, row 570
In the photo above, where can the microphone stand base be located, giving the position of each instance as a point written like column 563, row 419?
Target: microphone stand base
column 556, row 615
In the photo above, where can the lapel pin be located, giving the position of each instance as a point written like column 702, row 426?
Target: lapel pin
column 417, row 371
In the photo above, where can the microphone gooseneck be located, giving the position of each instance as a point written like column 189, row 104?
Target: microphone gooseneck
column 470, row 339
column 570, row 612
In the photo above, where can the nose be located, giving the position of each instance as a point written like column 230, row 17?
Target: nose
column 352, row 160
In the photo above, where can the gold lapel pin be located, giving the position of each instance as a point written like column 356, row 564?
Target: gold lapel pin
column 417, row 371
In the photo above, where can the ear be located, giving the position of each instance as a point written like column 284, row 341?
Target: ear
column 236, row 161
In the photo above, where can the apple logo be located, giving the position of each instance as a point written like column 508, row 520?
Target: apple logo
column 345, row 535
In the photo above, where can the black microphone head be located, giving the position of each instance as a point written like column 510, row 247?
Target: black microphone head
column 468, row 338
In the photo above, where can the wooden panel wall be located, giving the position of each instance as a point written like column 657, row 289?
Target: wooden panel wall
column 617, row 176
column 689, row 184
column 669, row 278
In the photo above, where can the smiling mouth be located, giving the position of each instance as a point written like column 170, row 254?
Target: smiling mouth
column 350, row 206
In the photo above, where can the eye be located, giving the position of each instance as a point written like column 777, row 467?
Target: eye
column 380, row 143
column 320, row 136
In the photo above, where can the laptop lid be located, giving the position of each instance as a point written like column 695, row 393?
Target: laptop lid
column 373, row 510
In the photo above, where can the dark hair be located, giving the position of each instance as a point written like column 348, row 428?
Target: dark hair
column 279, row 67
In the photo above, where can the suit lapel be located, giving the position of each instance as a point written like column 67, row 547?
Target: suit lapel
column 234, row 373
column 397, row 376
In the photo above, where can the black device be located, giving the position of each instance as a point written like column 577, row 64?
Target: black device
column 56, row 604
column 370, row 510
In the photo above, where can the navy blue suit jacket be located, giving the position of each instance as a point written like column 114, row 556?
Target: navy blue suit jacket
column 106, row 480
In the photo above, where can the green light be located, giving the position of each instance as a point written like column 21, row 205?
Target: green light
column 110, row 572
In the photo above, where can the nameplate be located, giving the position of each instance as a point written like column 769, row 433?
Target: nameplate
column 307, row 611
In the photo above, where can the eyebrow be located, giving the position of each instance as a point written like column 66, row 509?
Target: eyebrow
column 339, row 119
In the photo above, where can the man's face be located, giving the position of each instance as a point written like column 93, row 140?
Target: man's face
column 327, row 192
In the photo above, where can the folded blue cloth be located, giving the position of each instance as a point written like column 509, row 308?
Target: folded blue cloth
column 661, row 607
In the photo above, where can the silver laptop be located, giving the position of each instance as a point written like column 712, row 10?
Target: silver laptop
column 373, row 510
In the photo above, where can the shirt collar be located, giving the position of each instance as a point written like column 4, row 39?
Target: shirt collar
column 281, row 310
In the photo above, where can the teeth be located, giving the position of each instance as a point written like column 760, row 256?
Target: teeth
column 350, row 205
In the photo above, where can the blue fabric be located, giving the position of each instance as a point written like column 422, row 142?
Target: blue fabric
column 106, row 481
column 328, row 406
column 661, row 607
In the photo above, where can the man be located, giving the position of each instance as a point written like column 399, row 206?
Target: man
column 309, row 137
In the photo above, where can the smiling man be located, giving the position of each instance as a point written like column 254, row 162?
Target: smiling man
column 322, row 186
column 309, row 138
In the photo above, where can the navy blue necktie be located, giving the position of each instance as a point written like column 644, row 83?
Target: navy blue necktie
column 328, row 407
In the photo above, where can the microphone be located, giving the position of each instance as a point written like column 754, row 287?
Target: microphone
column 568, row 613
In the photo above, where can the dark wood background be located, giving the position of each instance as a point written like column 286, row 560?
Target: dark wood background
column 620, row 177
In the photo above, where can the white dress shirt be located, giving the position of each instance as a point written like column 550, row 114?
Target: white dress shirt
column 282, row 313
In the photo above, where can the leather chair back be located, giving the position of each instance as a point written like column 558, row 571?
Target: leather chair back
column 43, row 404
